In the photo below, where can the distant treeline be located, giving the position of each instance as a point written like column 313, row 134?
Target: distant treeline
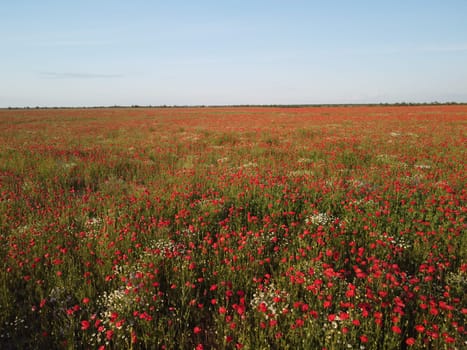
column 258, row 105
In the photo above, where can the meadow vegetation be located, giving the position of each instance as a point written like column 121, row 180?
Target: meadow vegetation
column 230, row 228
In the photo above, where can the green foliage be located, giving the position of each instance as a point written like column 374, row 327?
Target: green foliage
column 317, row 234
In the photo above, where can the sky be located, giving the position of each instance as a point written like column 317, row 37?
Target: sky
column 219, row 52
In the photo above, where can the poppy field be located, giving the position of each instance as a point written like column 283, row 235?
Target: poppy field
column 234, row 227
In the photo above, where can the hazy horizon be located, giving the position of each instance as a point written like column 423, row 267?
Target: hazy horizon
column 107, row 53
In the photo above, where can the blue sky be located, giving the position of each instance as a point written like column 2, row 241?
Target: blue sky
column 111, row 52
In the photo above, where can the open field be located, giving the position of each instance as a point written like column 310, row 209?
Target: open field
column 229, row 228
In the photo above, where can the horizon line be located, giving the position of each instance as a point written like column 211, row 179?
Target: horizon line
column 266, row 105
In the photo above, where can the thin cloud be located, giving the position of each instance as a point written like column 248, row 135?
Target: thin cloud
column 428, row 49
column 58, row 42
column 75, row 75
column 453, row 48
column 394, row 50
